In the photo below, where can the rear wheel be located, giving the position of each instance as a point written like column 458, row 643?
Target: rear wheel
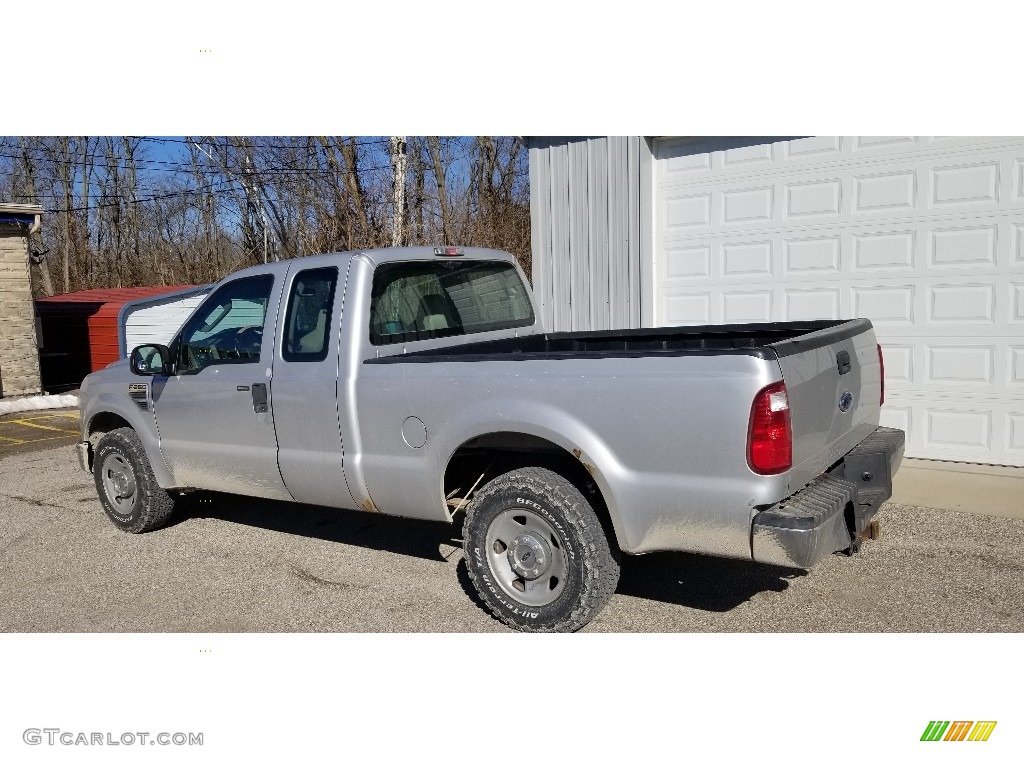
column 128, row 490
column 536, row 552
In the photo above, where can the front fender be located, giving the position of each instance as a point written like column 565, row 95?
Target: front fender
column 143, row 422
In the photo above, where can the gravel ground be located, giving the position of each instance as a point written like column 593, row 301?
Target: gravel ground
column 234, row 564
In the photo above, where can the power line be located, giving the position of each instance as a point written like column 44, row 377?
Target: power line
column 169, row 140
column 119, row 202
column 187, row 168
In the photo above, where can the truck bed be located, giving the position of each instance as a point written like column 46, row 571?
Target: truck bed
column 764, row 340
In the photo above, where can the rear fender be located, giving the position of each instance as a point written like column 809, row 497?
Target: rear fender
column 572, row 435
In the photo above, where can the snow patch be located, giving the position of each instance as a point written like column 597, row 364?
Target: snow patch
column 37, row 403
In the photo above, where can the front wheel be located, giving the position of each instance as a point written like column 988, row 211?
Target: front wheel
column 130, row 494
column 536, row 552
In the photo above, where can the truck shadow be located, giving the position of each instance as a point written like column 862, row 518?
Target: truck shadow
column 698, row 581
column 403, row 536
column 692, row 581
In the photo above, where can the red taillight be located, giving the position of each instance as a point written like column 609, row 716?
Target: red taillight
column 770, row 439
column 881, row 374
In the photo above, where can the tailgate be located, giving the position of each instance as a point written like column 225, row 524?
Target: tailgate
column 833, row 377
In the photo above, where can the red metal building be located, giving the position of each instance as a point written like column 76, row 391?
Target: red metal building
column 80, row 332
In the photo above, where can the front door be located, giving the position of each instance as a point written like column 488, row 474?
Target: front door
column 214, row 415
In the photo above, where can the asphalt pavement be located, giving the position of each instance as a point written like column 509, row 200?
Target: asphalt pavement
column 36, row 430
column 233, row 564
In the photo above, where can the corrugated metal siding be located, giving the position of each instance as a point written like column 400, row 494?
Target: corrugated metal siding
column 103, row 336
column 155, row 321
column 588, row 225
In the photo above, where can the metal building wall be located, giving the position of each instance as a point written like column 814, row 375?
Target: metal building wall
column 588, row 216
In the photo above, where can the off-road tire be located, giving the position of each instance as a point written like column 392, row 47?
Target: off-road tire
column 590, row 561
column 150, row 506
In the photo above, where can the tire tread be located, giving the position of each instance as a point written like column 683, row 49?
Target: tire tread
column 601, row 556
column 157, row 504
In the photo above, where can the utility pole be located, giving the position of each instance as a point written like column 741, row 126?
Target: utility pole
column 253, row 201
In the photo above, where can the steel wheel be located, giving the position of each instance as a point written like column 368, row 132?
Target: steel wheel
column 526, row 556
column 119, row 483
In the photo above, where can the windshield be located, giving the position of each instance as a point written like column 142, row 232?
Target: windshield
column 428, row 299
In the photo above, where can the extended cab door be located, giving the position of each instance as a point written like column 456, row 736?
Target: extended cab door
column 214, row 415
column 305, row 387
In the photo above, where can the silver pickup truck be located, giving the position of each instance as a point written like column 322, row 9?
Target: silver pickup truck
column 419, row 382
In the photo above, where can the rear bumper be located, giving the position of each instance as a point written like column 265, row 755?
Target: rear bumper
column 832, row 511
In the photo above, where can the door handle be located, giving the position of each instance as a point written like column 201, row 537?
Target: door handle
column 259, row 398
column 843, row 361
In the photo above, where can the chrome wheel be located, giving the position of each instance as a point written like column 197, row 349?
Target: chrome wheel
column 526, row 556
column 119, row 483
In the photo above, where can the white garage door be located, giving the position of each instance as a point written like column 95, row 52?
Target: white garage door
column 924, row 236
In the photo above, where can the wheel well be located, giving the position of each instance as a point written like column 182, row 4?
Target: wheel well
column 483, row 458
column 102, row 423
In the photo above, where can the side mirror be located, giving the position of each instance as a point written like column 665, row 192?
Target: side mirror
column 151, row 360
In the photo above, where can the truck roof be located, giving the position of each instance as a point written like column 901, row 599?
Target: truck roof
column 377, row 256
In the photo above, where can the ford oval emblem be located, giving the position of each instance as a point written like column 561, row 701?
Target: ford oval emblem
column 846, row 401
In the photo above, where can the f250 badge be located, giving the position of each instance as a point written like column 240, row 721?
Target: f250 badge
column 846, row 401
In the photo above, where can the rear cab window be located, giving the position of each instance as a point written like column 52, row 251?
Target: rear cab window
column 417, row 300
column 307, row 321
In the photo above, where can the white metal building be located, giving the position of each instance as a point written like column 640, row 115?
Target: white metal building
column 155, row 319
column 922, row 235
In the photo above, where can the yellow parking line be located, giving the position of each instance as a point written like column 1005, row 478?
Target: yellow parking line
column 44, row 416
column 28, row 423
column 37, row 440
column 13, row 440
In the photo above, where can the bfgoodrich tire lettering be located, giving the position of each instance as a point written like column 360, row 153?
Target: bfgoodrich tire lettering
column 536, row 552
column 130, row 494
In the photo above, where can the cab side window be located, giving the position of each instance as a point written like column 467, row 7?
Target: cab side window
column 307, row 324
column 228, row 328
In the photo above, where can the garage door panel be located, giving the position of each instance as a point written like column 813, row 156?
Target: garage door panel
column 887, row 250
column 859, row 143
column 810, row 304
column 1017, row 302
column 886, row 305
column 759, row 154
column 959, row 184
column 814, row 256
column 688, row 263
column 900, row 364
column 972, row 303
column 961, row 365
column 923, row 235
column 1015, row 434
column 885, row 192
column 747, row 259
column 968, row 246
column 966, row 431
column 745, row 306
column 899, row 417
column 1015, row 366
column 814, row 198
column 688, row 309
column 744, row 206
column 812, row 147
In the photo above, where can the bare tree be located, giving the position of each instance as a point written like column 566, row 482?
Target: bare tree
column 398, row 166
